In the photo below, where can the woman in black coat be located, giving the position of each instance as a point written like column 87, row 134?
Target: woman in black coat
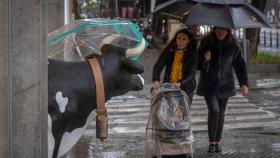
column 180, row 60
column 219, row 55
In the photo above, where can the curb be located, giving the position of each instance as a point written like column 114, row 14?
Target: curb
column 264, row 68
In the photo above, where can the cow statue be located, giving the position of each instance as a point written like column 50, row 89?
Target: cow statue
column 72, row 97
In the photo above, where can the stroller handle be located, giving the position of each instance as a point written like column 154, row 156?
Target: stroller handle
column 168, row 86
column 165, row 86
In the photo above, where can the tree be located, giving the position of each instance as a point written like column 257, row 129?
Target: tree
column 253, row 33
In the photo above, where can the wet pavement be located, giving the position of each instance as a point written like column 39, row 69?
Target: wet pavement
column 252, row 123
column 262, row 140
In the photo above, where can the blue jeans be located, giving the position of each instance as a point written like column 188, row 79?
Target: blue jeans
column 216, row 116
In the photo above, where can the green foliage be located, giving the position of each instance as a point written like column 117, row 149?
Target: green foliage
column 265, row 58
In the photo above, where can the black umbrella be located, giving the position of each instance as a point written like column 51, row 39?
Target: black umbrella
column 228, row 15
column 222, row 2
column 168, row 4
column 223, row 13
column 174, row 9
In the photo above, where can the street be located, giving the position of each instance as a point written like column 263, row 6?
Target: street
column 252, row 125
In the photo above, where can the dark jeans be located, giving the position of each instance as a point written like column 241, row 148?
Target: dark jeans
column 216, row 116
column 190, row 96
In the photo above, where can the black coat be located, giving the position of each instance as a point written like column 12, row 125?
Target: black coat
column 190, row 61
column 218, row 80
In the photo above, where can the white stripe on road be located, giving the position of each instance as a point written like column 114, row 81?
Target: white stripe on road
column 193, row 112
column 147, row 102
column 237, row 96
column 130, row 115
column 142, row 129
column 193, row 107
column 201, row 119
column 275, row 93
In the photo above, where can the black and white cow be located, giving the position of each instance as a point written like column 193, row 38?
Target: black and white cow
column 71, row 93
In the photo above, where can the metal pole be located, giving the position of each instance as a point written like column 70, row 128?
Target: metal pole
column 239, row 33
column 270, row 39
column 277, row 39
column 66, row 12
column 245, row 46
column 153, row 4
column 264, row 41
column 117, row 8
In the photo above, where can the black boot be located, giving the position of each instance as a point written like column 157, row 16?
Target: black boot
column 211, row 149
column 218, row 148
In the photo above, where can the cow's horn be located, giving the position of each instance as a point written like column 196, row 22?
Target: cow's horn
column 109, row 39
column 135, row 51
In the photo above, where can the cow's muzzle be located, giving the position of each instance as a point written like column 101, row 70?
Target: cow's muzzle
column 139, row 85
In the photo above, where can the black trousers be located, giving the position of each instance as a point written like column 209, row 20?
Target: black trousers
column 216, row 116
column 190, row 95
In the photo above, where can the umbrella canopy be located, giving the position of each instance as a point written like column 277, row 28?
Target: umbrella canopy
column 233, row 16
column 75, row 41
column 168, row 4
column 220, row 1
column 223, row 13
column 175, row 9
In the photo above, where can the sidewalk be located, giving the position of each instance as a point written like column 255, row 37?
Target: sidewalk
column 264, row 80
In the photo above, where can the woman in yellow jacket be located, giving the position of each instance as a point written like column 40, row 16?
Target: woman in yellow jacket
column 180, row 60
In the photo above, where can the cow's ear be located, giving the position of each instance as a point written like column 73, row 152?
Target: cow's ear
column 106, row 48
column 132, row 67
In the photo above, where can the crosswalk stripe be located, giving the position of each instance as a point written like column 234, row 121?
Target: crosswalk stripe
column 135, row 99
column 147, row 101
column 236, row 96
column 128, row 111
column 194, row 106
column 202, row 119
column 140, row 121
column 275, row 93
column 129, row 114
column 195, row 128
column 237, row 125
column 146, row 114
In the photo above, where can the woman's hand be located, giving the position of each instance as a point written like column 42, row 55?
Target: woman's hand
column 244, row 90
column 156, row 84
column 207, row 56
column 178, row 84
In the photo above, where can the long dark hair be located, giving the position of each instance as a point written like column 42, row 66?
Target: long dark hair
column 192, row 45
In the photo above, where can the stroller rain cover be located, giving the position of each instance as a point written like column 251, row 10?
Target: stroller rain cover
column 168, row 130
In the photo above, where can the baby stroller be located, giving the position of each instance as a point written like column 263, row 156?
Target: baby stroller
column 168, row 131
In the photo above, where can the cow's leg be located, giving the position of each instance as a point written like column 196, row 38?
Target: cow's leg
column 64, row 156
column 57, row 138
column 51, row 141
